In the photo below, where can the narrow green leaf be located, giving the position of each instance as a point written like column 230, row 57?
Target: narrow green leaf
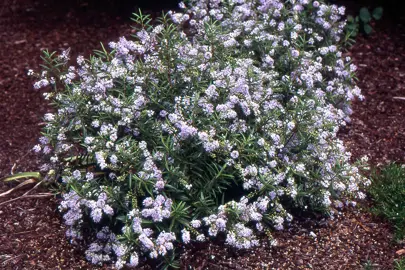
column 122, row 218
column 19, row 176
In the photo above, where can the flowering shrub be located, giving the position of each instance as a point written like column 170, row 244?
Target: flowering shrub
column 218, row 120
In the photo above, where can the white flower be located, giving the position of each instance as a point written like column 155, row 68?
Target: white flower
column 195, row 223
column 185, row 236
column 134, row 260
column 113, row 159
column 234, row 154
column 89, row 176
column 77, row 174
column 37, row 148
column 200, row 238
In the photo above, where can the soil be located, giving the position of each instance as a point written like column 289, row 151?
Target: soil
column 31, row 230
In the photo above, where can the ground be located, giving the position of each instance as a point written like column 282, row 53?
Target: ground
column 31, row 230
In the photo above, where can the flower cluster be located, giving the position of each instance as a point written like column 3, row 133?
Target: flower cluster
column 218, row 120
column 157, row 209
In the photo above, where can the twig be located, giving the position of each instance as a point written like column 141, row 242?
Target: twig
column 18, row 233
column 27, row 196
column 26, row 193
column 364, row 227
column 26, row 182
column 12, row 169
column 42, row 195
column 400, row 98
column 11, row 259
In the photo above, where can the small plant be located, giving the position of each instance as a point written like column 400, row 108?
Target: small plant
column 172, row 137
column 399, row 264
column 361, row 23
column 388, row 193
column 368, row 265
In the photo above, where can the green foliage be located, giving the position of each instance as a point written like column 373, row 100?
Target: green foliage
column 377, row 13
column 388, row 193
column 399, row 264
column 19, row 176
column 361, row 23
column 368, row 265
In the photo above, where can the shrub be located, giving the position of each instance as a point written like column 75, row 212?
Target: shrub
column 218, row 120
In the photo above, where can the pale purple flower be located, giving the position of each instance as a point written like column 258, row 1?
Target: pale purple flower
column 234, row 154
column 295, row 53
column 96, row 215
column 77, row 175
column 37, row 148
column 134, row 260
column 200, row 238
column 160, row 185
column 221, row 224
column 196, row 223
column 185, row 236
column 113, row 159
column 89, row 176
column 146, row 242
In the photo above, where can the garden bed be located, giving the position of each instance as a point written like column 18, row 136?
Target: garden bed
column 31, row 230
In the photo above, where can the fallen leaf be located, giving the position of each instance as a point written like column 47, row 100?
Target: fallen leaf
column 400, row 252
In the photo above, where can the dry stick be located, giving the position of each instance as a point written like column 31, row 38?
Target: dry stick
column 27, row 196
column 17, row 233
column 26, row 182
column 12, row 168
column 400, row 98
column 11, row 259
column 26, row 193
column 42, row 195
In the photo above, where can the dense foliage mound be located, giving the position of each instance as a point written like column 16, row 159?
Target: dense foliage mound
column 218, row 120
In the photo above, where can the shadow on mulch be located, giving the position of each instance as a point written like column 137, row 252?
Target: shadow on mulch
column 31, row 231
column 378, row 122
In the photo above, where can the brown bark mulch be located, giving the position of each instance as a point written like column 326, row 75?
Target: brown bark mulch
column 31, row 231
column 378, row 122
column 348, row 241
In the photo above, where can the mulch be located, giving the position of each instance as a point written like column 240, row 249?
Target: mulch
column 378, row 122
column 348, row 241
column 31, row 230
